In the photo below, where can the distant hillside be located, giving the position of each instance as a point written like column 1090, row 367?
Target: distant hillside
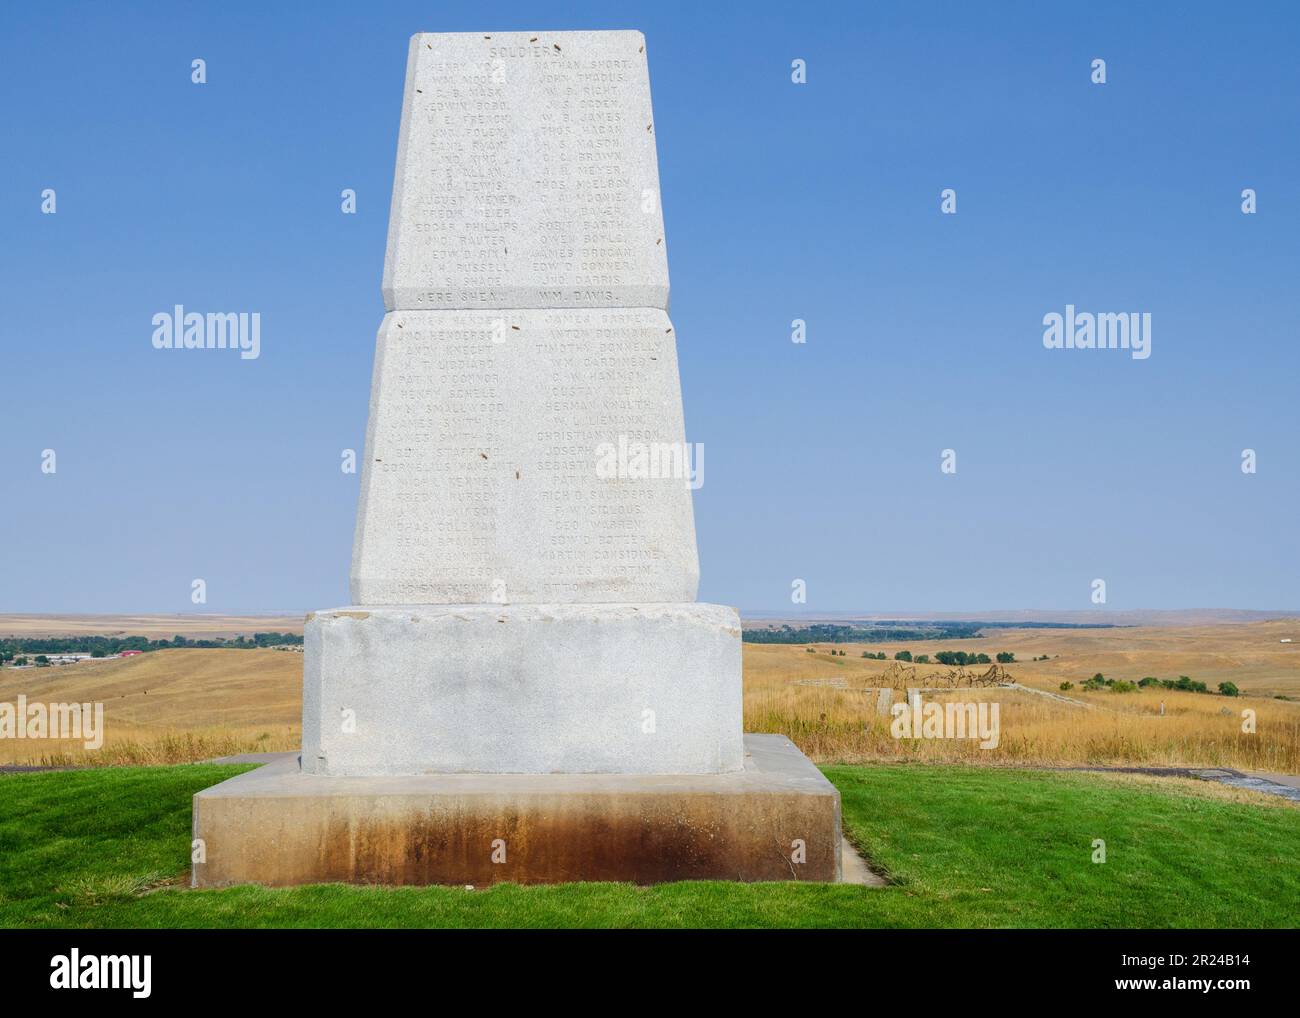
column 169, row 705
column 154, row 627
column 1029, row 617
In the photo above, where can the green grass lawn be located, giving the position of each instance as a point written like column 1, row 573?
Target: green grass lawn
column 965, row 847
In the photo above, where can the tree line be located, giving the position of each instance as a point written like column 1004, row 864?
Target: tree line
column 106, row 646
column 829, row 633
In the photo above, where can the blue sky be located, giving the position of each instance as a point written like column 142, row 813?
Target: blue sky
column 781, row 201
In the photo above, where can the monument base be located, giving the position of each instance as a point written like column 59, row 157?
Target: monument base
column 777, row 819
column 608, row 688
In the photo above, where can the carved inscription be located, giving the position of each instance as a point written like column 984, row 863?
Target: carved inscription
column 528, row 176
column 481, row 482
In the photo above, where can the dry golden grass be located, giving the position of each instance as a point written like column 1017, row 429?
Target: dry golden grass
column 1122, row 729
column 167, row 706
column 150, row 748
column 842, row 726
column 187, row 704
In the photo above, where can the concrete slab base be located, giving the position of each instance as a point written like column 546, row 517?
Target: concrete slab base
column 854, row 868
column 777, row 819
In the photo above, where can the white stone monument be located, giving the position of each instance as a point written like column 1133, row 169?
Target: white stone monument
column 524, row 640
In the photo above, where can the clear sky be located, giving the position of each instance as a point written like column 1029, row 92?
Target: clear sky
column 818, row 201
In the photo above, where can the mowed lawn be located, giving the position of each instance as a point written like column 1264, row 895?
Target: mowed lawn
column 964, row 847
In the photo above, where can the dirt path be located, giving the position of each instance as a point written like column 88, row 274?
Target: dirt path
column 1286, row 786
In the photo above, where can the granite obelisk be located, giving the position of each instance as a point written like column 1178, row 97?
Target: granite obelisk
column 528, row 593
column 524, row 656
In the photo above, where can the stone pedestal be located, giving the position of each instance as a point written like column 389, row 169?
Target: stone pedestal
column 523, row 689
column 777, row 818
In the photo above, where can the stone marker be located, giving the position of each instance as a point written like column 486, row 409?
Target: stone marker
column 525, row 662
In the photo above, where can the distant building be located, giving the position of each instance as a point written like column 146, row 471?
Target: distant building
column 130, row 653
column 1286, row 639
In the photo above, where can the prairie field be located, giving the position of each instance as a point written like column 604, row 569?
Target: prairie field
column 818, row 699
column 167, row 706
column 182, row 705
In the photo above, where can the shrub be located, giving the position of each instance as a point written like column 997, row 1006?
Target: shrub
column 1006, row 657
column 1149, row 680
column 1120, row 686
column 903, row 655
column 960, row 657
column 1066, row 685
column 1228, row 688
